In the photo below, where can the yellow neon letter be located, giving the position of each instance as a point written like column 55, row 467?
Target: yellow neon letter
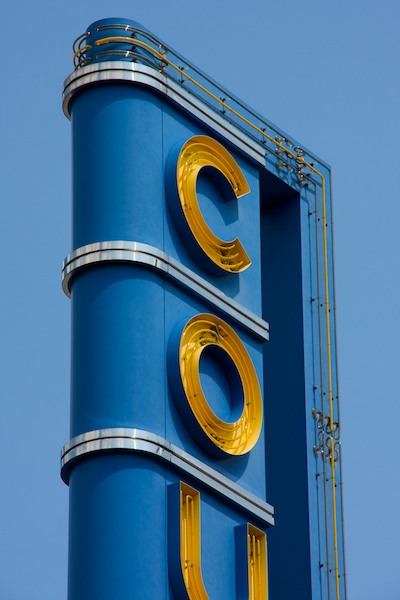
column 257, row 563
column 252, row 579
column 237, row 437
column 198, row 152
column 190, row 542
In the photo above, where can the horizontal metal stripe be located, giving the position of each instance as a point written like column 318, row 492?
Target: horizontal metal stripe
column 151, row 257
column 136, row 440
column 144, row 75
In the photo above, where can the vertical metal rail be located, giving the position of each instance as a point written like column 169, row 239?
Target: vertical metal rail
column 319, row 416
column 338, row 417
column 331, row 441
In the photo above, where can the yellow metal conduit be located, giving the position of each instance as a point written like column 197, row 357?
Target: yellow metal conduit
column 299, row 160
column 79, row 52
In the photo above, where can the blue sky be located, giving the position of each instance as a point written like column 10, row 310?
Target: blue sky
column 327, row 74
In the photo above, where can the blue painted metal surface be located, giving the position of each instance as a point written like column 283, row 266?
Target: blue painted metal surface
column 123, row 317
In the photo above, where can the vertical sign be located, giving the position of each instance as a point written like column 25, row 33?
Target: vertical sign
column 195, row 223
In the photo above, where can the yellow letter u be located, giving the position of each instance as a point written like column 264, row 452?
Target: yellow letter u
column 185, row 565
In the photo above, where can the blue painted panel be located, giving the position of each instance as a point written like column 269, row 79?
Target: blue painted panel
column 117, row 546
column 118, row 357
column 117, row 165
column 285, row 420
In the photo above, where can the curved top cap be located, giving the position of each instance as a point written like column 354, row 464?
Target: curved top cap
column 114, row 21
column 101, row 42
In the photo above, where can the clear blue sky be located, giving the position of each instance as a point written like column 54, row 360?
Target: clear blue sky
column 326, row 73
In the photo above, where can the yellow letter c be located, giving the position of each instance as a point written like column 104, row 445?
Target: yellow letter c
column 198, row 152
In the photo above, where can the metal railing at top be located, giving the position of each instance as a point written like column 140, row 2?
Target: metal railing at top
column 143, row 47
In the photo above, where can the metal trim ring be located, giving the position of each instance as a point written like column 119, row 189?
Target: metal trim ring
column 154, row 258
column 137, row 73
column 139, row 441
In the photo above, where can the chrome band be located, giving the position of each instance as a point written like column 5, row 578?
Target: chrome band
column 144, row 442
column 141, row 74
column 153, row 258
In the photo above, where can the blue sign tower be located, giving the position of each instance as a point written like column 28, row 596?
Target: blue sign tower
column 204, row 459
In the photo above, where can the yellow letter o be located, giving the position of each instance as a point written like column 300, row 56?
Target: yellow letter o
column 237, row 437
